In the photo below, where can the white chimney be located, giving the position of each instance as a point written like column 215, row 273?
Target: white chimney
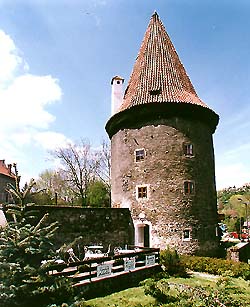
column 117, row 93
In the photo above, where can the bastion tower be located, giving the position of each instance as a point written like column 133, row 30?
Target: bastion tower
column 162, row 157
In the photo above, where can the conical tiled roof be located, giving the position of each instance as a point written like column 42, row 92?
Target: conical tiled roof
column 158, row 75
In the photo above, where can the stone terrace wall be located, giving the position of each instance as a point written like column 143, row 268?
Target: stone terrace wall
column 94, row 225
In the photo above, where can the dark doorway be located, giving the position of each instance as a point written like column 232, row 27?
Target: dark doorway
column 146, row 236
column 143, row 235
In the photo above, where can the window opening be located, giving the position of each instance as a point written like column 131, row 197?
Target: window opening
column 189, row 150
column 142, row 192
column 139, row 155
column 186, row 234
column 188, row 187
column 155, row 92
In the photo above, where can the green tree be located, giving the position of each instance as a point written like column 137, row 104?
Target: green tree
column 231, row 207
column 98, row 195
column 24, row 243
column 52, row 185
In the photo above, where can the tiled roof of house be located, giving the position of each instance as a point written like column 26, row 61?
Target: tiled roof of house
column 6, row 170
column 158, row 75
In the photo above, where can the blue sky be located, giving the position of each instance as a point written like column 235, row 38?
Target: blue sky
column 57, row 58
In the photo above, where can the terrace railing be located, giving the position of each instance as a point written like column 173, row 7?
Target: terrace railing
column 98, row 268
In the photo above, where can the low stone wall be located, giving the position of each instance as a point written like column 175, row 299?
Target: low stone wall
column 93, row 225
column 239, row 252
column 88, row 226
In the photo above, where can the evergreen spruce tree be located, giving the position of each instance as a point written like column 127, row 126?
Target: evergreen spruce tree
column 24, row 243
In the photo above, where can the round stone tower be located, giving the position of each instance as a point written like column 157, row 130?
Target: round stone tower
column 162, row 157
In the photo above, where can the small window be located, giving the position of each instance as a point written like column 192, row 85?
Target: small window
column 142, row 192
column 189, row 149
column 155, row 92
column 189, row 187
column 139, row 155
column 186, row 234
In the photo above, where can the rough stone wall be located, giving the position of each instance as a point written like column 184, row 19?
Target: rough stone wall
column 164, row 170
column 94, row 225
column 239, row 252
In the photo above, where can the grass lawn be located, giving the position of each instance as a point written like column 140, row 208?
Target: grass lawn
column 134, row 297
column 131, row 298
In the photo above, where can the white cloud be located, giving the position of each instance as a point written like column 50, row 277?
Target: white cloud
column 51, row 140
column 10, row 61
column 229, row 175
column 25, row 99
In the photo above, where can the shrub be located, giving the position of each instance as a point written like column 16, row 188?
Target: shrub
column 172, row 263
column 217, row 266
column 176, row 294
column 158, row 289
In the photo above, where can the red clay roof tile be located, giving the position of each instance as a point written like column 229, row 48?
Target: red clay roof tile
column 158, row 75
column 5, row 170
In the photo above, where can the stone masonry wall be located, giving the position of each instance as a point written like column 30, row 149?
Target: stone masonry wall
column 164, row 170
column 94, row 225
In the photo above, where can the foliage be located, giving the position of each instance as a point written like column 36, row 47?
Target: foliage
column 19, row 195
column 167, row 293
column 98, row 195
column 82, row 165
column 41, row 197
column 30, row 193
column 232, row 208
column 181, row 292
column 24, row 243
column 217, row 266
column 53, row 184
column 225, row 194
column 158, row 289
column 171, row 263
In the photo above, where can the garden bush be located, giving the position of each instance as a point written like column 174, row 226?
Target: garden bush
column 168, row 293
column 172, row 263
column 217, row 266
